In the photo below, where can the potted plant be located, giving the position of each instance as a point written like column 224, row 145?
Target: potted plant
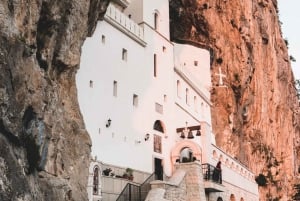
column 106, row 171
column 128, row 174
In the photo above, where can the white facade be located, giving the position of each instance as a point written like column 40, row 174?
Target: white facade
column 134, row 76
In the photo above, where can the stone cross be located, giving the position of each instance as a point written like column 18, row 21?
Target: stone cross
column 221, row 76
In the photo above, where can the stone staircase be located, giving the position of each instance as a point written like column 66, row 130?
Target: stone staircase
column 185, row 184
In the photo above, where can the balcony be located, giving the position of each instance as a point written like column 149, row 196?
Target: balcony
column 123, row 3
column 123, row 23
column 212, row 179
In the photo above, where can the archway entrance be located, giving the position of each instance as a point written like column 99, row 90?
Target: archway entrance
column 186, row 155
column 188, row 149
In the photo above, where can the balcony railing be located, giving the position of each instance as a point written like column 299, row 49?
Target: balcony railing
column 122, row 22
column 211, row 173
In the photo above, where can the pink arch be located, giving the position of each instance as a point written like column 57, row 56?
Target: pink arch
column 197, row 151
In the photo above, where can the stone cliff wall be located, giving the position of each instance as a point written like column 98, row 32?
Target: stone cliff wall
column 255, row 112
column 44, row 147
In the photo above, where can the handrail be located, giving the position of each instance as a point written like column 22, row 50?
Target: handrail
column 146, row 187
column 132, row 192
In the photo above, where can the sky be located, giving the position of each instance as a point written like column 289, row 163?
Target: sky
column 289, row 15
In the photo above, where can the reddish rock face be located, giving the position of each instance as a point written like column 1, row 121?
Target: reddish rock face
column 44, row 148
column 256, row 111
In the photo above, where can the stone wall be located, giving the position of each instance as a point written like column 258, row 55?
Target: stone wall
column 186, row 184
column 193, row 180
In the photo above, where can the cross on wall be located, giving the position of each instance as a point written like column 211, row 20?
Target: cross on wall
column 221, row 76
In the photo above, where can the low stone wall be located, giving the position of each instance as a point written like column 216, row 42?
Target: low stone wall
column 194, row 180
column 138, row 176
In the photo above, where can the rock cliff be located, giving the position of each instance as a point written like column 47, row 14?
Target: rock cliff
column 44, row 147
column 255, row 109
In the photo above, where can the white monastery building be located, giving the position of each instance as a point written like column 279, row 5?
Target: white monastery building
column 146, row 104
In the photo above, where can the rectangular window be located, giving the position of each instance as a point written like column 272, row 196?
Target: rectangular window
column 154, row 65
column 135, row 100
column 115, row 90
column 124, row 54
column 195, row 63
column 164, row 49
column 159, row 108
column 103, row 39
column 91, row 84
column 165, row 98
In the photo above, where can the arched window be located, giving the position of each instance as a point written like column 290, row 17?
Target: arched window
column 219, row 199
column 155, row 65
column 242, row 199
column 187, row 96
column 156, row 17
column 195, row 103
column 159, row 126
column 215, row 155
column 232, row 197
column 178, row 88
column 96, row 181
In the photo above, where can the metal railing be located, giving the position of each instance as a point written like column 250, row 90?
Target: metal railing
column 146, row 187
column 211, row 173
column 132, row 192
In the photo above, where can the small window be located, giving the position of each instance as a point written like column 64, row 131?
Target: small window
column 159, row 108
column 124, row 54
column 135, row 100
column 91, row 84
column 103, row 39
column 195, row 63
column 115, row 89
column 155, row 65
column 164, row 49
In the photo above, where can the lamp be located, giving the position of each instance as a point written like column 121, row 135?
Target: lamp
column 147, row 136
column 198, row 133
column 108, row 123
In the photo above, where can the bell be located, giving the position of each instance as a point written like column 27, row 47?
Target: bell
column 198, row 133
column 190, row 135
column 182, row 135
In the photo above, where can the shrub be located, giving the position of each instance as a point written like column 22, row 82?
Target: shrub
column 261, row 180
